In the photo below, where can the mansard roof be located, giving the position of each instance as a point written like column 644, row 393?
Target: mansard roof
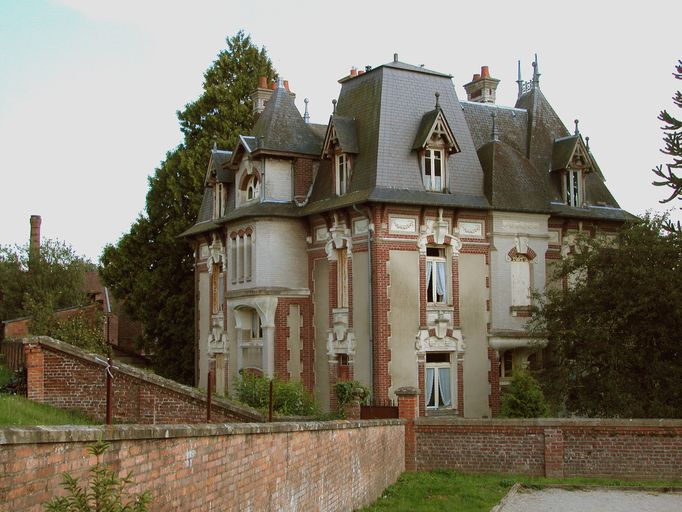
column 388, row 105
column 281, row 129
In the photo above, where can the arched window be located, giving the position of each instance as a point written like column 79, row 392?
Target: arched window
column 253, row 188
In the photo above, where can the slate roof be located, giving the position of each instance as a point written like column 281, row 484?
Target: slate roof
column 346, row 133
column 281, row 128
column 382, row 115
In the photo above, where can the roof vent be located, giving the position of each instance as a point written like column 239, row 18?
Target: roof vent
column 395, row 57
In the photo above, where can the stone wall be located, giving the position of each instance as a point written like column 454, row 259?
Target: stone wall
column 329, row 466
column 65, row 376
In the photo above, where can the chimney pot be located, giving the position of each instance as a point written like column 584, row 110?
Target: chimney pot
column 476, row 77
column 273, row 85
column 485, row 72
column 262, row 82
column 286, row 84
column 353, row 71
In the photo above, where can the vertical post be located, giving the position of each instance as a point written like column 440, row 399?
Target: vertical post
column 408, row 410
column 271, row 405
column 110, row 404
column 209, row 392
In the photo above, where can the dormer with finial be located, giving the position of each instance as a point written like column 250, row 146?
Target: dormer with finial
column 571, row 160
column 482, row 87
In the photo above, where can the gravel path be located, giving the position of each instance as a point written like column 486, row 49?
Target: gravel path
column 562, row 500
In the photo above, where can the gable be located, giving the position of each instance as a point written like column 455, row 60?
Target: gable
column 435, row 125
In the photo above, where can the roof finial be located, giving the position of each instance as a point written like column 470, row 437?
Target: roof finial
column 519, row 80
column 495, row 135
column 306, row 115
column 536, row 73
column 437, row 99
column 395, row 57
column 215, row 143
column 334, row 104
column 577, row 132
column 587, row 143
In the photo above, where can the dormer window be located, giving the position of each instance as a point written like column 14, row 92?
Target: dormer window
column 342, row 171
column 573, row 188
column 434, row 169
column 218, row 201
column 249, row 185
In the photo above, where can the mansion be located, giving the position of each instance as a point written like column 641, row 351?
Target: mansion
column 398, row 244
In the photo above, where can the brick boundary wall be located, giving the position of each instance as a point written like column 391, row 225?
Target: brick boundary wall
column 627, row 449
column 64, row 376
column 336, row 465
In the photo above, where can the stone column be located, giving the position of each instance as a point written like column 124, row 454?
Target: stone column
column 408, row 410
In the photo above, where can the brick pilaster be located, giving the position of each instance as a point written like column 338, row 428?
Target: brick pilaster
column 554, row 453
column 494, row 380
column 35, row 372
column 408, row 410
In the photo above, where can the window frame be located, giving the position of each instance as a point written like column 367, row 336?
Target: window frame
column 342, row 172
column 442, row 258
column 429, row 162
column 436, row 395
column 573, row 187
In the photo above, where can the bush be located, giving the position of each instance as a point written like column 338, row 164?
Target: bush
column 290, row 398
column 106, row 490
column 524, row 398
column 344, row 392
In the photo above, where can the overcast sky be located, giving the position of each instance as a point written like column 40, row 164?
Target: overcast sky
column 89, row 88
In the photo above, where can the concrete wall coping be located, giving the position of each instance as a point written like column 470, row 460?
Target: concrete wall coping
column 550, row 422
column 88, row 434
column 227, row 405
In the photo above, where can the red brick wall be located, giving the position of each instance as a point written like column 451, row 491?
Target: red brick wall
column 64, row 376
column 629, row 449
column 325, row 466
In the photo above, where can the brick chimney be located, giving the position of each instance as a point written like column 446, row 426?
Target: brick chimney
column 261, row 95
column 34, row 241
column 482, row 87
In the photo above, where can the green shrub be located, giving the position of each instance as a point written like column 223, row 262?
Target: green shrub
column 524, row 398
column 106, row 490
column 289, row 398
column 344, row 392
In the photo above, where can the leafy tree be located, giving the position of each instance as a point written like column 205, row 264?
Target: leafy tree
column 524, row 398
column 52, row 279
column 669, row 175
column 106, row 490
column 150, row 267
column 615, row 348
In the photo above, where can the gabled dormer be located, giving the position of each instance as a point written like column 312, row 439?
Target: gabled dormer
column 434, row 142
column 217, row 179
column 572, row 163
column 341, row 147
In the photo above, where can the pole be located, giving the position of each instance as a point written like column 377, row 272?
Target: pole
column 209, row 392
column 271, row 404
column 110, row 404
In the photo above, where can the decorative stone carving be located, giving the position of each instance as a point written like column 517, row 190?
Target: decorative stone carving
column 427, row 340
column 406, row 225
column 340, row 338
column 218, row 341
column 437, row 232
column 216, row 254
column 471, row 229
column 338, row 237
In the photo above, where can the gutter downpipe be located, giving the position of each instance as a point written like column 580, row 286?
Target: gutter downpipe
column 370, row 228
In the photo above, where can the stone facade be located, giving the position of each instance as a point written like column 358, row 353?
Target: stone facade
column 398, row 245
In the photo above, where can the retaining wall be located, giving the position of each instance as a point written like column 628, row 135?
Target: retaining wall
column 64, row 376
column 340, row 465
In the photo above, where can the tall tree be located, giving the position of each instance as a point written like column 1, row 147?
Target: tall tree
column 669, row 173
column 51, row 279
column 149, row 267
column 615, row 348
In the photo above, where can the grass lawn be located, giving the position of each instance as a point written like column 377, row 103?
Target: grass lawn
column 449, row 490
column 17, row 410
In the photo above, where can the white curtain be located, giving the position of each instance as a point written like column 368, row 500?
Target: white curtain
column 429, row 271
column 430, row 373
column 440, row 283
column 444, row 386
